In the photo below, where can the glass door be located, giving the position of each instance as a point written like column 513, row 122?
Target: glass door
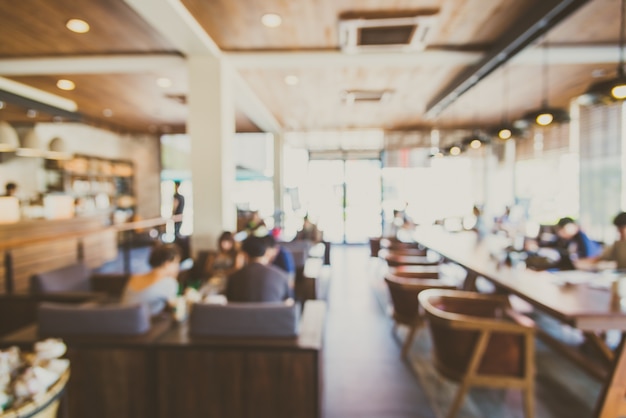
column 344, row 198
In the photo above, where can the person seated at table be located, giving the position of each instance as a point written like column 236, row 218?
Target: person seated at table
column 615, row 252
column 309, row 231
column 227, row 259
column 573, row 244
column 258, row 280
column 158, row 286
column 281, row 257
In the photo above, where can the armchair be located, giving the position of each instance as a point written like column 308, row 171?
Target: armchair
column 478, row 340
column 406, row 308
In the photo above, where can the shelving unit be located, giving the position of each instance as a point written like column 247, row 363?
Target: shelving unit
column 96, row 183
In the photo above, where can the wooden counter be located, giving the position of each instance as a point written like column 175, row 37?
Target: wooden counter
column 34, row 246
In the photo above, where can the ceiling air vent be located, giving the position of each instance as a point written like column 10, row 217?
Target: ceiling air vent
column 365, row 96
column 400, row 33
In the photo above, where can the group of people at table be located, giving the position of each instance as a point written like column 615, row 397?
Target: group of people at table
column 257, row 270
column 574, row 249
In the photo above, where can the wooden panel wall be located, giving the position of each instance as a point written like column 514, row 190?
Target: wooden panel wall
column 41, row 257
column 111, row 382
column 99, row 247
column 3, row 274
column 238, row 383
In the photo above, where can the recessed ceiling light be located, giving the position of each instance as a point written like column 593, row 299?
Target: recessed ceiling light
column 107, row 113
column 271, row 20
column 292, row 80
column 1, row 105
column 164, row 82
column 31, row 113
column 66, row 84
column 77, row 26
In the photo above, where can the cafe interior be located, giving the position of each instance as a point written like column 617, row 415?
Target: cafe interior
column 440, row 149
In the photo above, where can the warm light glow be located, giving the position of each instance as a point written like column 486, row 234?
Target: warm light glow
column 107, row 113
column 1, row 105
column 455, row 150
column 271, row 20
column 619, row 91
column 66, row 84
column 544, row 119
column 292, row 80
column 505, row 133
column 77, row 26
column 164, row 82
column 475, row 143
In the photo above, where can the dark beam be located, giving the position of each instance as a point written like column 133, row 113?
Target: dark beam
column 539, row 20
column 41, row 107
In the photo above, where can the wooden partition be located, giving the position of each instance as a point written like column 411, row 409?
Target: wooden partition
column 166, row 373
column 243, row 377
column 111, row 376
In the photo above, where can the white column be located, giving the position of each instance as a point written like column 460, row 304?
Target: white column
column 279, row 184
column 211, row 127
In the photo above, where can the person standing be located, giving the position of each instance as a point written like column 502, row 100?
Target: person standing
column 10, row 189
column 178, row 207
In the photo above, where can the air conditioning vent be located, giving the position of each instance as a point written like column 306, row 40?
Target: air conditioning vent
column 365, row 96
column 400, row 33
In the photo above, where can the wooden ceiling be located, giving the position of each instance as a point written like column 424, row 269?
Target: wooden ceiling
column 307, row 46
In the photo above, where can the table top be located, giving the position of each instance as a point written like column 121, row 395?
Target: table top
column 581, row 299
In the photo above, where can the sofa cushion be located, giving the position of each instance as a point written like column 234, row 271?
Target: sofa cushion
column 73, row 278
column 60, row 320
column 245, row 319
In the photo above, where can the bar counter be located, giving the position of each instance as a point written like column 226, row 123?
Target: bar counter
column 32, row 246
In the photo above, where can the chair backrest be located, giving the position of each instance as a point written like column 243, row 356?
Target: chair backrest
column 394, row 260
column 59, row 320
column 404, row 292
column 244, row 320
column 456, row 320
column 415, row 272
column 71, row 278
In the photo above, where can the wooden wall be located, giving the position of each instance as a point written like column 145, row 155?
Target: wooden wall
column 36, row 246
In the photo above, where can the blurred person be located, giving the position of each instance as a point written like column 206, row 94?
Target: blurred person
column 573, row 244
column 615, row 252
column 10, row 189
column 178, row 206
column 258, row 280
column 281, row 257
column 227, row 259
column 309, row 231
column 158, row 286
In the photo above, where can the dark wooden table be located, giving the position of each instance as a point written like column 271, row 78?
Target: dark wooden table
column 580, row 304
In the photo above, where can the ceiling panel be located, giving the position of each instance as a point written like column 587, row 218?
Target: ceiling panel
column 36, row 28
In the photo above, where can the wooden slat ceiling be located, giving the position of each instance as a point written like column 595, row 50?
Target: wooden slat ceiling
column 35, row 28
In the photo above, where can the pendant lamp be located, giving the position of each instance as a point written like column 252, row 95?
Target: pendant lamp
column 476, row 140
column 9, row 140
column 612, row 90
column 505, row 130
column 545, row 115
column 31, row 145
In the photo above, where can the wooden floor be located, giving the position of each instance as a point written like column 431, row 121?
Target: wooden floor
column 364, row 375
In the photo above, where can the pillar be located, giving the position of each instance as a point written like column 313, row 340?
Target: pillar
column 211, row 127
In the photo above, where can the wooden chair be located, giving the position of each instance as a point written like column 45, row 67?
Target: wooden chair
column 478, row 340
column 415, row 272
column 406, row 309
column 394, row 259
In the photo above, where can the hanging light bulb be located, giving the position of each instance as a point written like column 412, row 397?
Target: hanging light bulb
column 505, row 130
column 545, row 115
column 612, row 90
